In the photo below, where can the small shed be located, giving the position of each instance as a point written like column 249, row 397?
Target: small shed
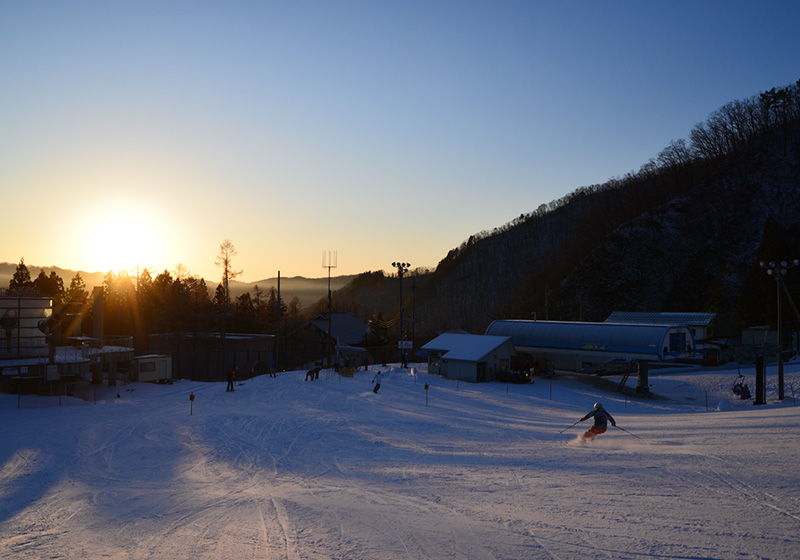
column 469, row 357
column 152, row 368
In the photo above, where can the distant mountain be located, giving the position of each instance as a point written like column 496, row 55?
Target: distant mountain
column 308, row 290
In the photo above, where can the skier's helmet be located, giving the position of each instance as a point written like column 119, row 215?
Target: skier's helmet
column 598, row 406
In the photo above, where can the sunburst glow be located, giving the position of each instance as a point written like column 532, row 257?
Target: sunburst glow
column 122, row 237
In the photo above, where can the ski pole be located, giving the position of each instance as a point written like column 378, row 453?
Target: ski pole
column 568, row 427
column 627, row 432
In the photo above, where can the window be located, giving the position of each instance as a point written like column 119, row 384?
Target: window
column 677, row 341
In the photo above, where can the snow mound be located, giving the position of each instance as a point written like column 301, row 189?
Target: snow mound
column 724, row 406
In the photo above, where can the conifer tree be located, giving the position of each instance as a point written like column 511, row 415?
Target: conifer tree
column 77, row 292
column 22, row 276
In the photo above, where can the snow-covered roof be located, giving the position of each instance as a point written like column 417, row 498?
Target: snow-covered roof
column 648, row 318
column 466, row 347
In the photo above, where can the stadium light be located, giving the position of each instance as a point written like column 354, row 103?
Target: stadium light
column 779, row 270
column 402, row 268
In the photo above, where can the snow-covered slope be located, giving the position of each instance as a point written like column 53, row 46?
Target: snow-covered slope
column 288, row 469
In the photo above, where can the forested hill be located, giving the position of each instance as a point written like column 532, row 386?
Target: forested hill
column 684, row 233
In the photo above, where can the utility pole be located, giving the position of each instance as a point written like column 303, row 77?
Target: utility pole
column 414, row 315
column 276, row 351
column 329, row 261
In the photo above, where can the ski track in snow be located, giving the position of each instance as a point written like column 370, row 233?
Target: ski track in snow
column 284, row 469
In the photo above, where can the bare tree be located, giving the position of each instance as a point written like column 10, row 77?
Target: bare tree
column 225, row 261
column 181, row 272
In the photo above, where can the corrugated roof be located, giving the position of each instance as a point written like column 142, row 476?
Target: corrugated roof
column 466, row 347
column 668, row 318
column 603, row 337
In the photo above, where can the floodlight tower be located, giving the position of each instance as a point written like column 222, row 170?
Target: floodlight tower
column 402, row 268
column 779, row 271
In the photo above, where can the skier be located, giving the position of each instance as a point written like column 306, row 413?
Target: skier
column 601, row 420
column 377, row 380
column 231, row 375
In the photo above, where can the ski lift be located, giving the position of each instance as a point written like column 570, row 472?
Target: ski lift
column 740, row 388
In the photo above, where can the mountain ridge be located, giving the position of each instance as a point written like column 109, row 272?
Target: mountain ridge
column 307, row 290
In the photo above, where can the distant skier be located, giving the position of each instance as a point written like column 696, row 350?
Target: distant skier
column 231, row 375
column 601, row 420
column 377, row 381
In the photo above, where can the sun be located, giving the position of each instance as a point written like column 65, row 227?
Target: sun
column 121, row 238
column 121, row 244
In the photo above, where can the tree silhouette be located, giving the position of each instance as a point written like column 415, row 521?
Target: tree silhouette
column 21, row 277
column 225, row 261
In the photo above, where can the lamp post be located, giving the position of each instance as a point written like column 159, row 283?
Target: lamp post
column 779, row 271
column 402, row 268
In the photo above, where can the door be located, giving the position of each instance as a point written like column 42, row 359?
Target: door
column 481, row 372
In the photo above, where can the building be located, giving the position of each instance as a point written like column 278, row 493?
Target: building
column 208, row 356
column 24, row 323
column 595, row 347
column 469, row 357
column 152, row 369
column 311, row 342
column 35, row 359
column 700, row 323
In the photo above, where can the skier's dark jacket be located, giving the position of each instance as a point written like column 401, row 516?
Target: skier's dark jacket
column 601, row 418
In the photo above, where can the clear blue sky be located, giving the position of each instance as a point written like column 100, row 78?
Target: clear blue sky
column 150, row 132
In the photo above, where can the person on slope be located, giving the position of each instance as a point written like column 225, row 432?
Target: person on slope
column 377, row 381
column 601, row 420
column 231, row 375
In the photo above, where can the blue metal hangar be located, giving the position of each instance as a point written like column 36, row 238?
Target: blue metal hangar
column 595, row 347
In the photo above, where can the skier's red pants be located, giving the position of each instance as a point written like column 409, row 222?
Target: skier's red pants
column 593, row 432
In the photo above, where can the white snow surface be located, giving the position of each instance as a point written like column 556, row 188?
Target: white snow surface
column 290, row 469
